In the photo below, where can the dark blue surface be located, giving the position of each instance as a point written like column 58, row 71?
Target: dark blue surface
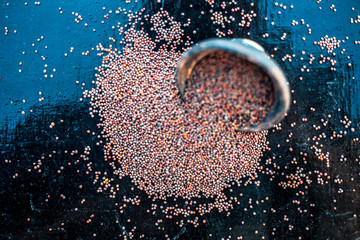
column 26, row 138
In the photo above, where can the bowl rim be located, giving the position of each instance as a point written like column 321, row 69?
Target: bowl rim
column 248, row 50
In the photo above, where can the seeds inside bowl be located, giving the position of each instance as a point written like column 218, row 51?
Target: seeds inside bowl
column 229, row 89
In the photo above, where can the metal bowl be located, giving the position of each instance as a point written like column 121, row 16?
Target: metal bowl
column 252, row 52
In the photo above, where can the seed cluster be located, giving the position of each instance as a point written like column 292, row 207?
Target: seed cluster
column 170, row 148
column 229, row 89
column 307, row 182
column 229, row 13
column 329, row 43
